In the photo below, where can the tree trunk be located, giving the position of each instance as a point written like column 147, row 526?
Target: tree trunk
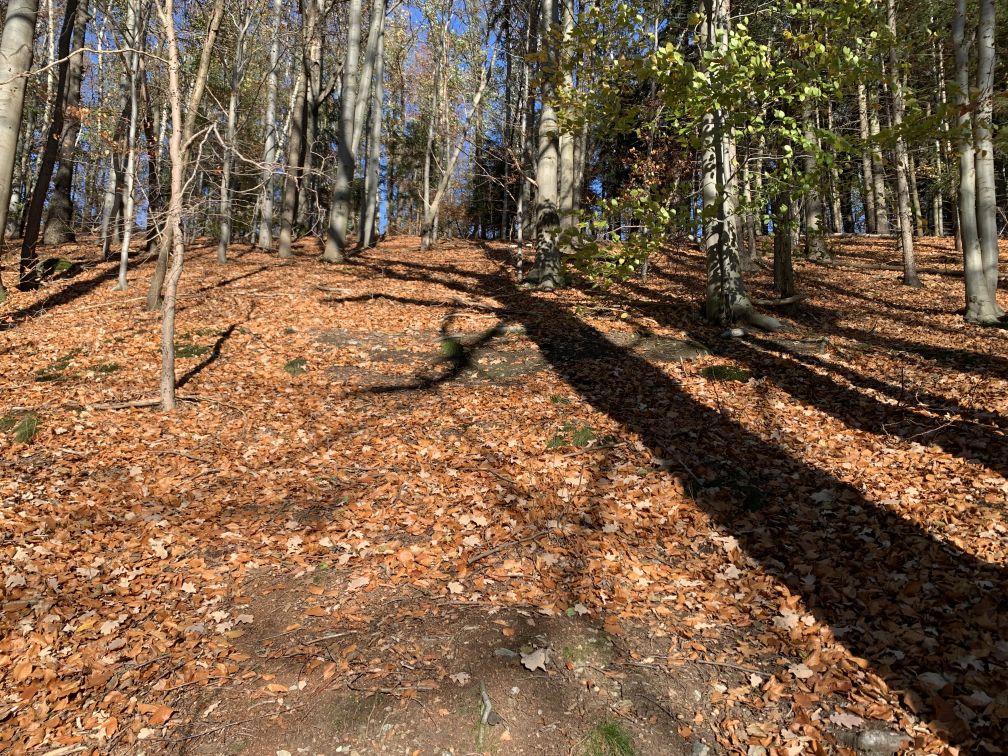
column 16, row 51
column 29, row 277
column 785, row 222
column 983, row 131
column 867, row 178
column 449, row 168
column 878, row 173
column 339, row 210
column 902, row 159
column 176, row 157
column 292, row 172
column 265, row 240
column 547, row 271
column 981, row 305
column 59, row 219
column 568, row 210
column 237, row 75
column 133, row 25
column 369, row 204
column 815, row 243
column 188, row 125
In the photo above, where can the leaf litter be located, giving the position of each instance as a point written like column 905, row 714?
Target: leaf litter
column 362, row 533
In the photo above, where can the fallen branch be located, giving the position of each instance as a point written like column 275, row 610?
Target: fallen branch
column 780, row 302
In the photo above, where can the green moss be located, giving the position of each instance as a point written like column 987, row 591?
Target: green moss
column 190, row 350
column 297, row 366
column 725, row 373
column 609, row 739
column 25, row 430
column 56, row 370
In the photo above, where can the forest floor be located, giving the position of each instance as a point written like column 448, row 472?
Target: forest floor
column 408, row 506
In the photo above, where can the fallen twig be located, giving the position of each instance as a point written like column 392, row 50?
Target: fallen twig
column 472, row 560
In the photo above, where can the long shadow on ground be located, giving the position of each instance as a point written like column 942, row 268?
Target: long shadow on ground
column 927, row 616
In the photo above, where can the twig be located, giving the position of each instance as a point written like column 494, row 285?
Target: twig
column 472, row 560
column 599, row 447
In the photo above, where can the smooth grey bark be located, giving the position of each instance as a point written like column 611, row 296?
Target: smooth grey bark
column 915, row 201
column 867, row 178
column 726, row 300
column 568, row 214
column 910, row 277
column 339, row 210
column 983, row 133
column 188, row 126
column 133, row 26
column 376, row 30
column 265, row 240
column 292, row 170
column 878, row 172
column 230, row 130
column 981, row 305
column 815, row 243
column 836, row 209
column 29, row 276
column 16, row 52
column 546, row 271
column 176, row 155
column 369, row 205
column 59, row 216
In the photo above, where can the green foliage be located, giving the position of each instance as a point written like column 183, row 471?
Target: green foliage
column 297, row 366
column 609, row 739
column 452, row 349
column 572, row 435
column 56, row 370
column 24, row 426
column 725, row 373
column 186, row 350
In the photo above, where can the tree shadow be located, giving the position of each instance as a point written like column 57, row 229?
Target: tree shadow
column 60, row 297
column 926, row 615
column 211, row 358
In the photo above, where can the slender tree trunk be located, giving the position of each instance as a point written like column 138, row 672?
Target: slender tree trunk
column 568, row 211
column 174, row 221
column 915, row 201
column 867, row 178
column 369, row 205
column 785, row 223
column 16, row 51
column 292, row 172
column 878, row 173
column 29, row 256
column 910, row 277
column 59, row 219
column 133, row 24
column 983, row 132
column 188, row 125
column 449, row 169
column 231, row 129
column 836, row 211
column 265, row 240
column 815, row 243
column 340, row 203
